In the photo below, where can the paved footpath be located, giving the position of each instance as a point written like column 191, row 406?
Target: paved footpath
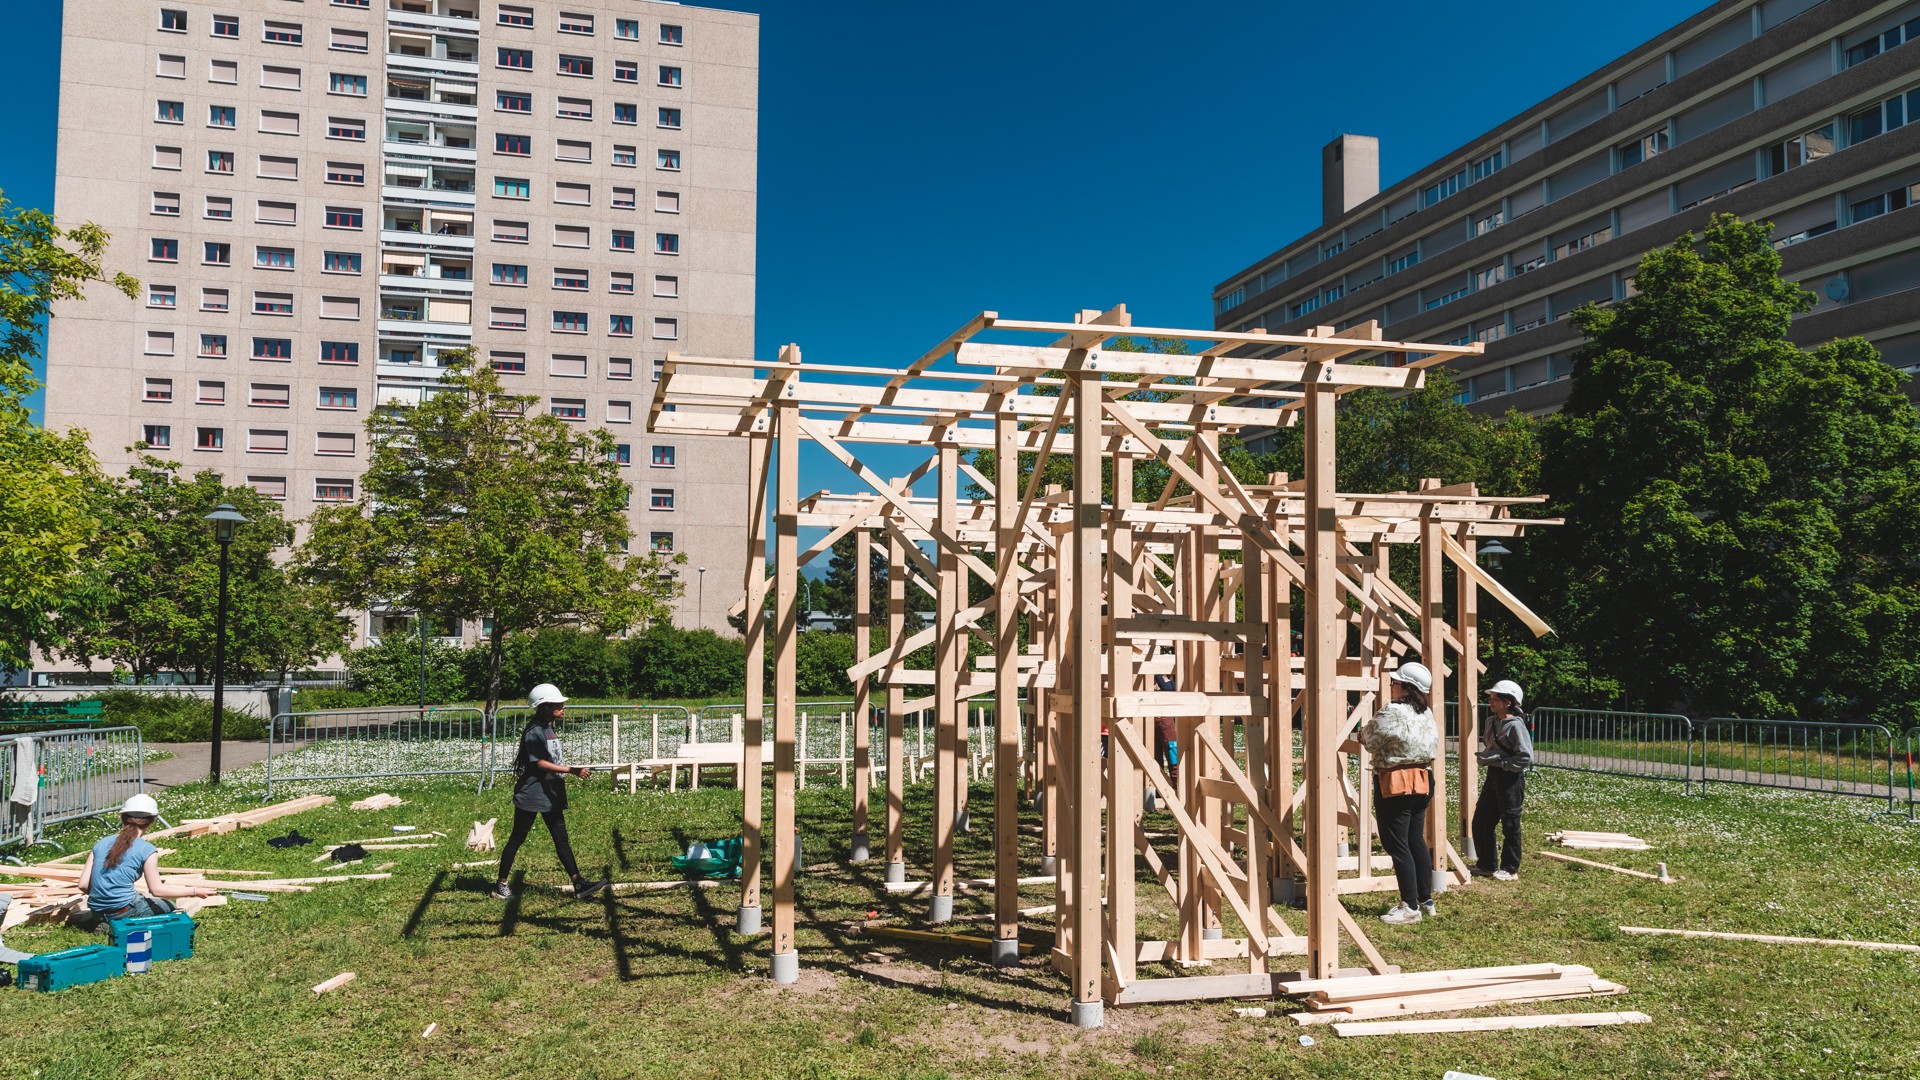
column 192, row 761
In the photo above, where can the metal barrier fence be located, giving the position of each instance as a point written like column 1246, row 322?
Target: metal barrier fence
column 354, row 744
column 83, row 773
column 587, row 734
column 825, row 739
column 1799, row 755
column 1653, row 745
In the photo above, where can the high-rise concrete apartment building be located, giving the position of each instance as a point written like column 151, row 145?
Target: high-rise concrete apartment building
column 322, row 196
column 1803, row 112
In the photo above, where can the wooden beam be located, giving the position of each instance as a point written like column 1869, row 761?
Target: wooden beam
column 1770, row 939
column 1607, row 866
column 1488, row 1023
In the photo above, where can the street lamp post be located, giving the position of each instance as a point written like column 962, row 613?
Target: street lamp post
column 700, row 613
column 1491, row 553
column 225, row 520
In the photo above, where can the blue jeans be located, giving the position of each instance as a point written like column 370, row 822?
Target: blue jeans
column 141, row 907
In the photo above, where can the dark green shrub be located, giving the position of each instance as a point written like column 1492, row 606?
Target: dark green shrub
column 579, row 662
column 389, row 673
column 668, row 662
column 170, row 717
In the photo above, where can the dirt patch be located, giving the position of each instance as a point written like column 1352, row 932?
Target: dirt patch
column 887, row 973
column 812, row 981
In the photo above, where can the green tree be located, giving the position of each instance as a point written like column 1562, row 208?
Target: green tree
column 1739, row 512
column 148, row 602
column 474, row 507
column 47, row 527
column 836, row 592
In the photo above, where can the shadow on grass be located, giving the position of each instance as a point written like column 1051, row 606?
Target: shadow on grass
column 426, row 899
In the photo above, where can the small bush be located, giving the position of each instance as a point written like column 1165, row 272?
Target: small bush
column 167, row 717
column 389, row 673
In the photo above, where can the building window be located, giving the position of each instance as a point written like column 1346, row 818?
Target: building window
column 1879, row 43
column 350, row 85
column 1646, row 146
column 158, row 390
column 339, row 352
column 516, row 145
column 620, row 281
column 663, row 457
column 626, row 71
column 1884, row 203
column 172, row 67
column 344, row 217
column 170, row 112
column 1486, row 166
column 575, row 236
column 627, row 29
column 666, row 243
column 271, row 487
column 576, row 65
column 626, row 113
column 568, row 367
column 626, row 156
column 670, row 76
column 162, row 296
column 671, row 35
column 209, row 438
column 511, row 363
column 339, row 397
column 623, row 240
column 266, row 348
column 620, row 325
column 266, row 441
column 1895, row 112
column 620, row 367
column 1489, row 223
column 660, row 499
column 1452, row 185
column 213, row 300
column 226, row 26
column 513, row 101
column 623, row 198
column 572, row 23
column 509, row 274
column 343, row 128
column 515, row 58
column 621, row 454
column 159, row 250
column 570, row 408
column 220, row 161
column 281, row 33
column 570, row 322
column 333, row 491
column 173, row 21
column 340, row 262
column 347, row 40
column 279, row 168
column 211, row 392
column 166, row 203
column 217, row 254
column 510, row 232
column 572, row 150
column 570, row 279
column 219, row 208
column 571, row 108
column 159, row 343
column 503, row 318
column 668, row 160
column 213, row 345
column 659, row 369
column 1800, row 150
column 167, row 157
column 666, row 202
column 514, row 15
column 273, row 258
column 666, row 329
column 661, row 543
column 157, row 436
column 269, row 396
column 508, row 187
column 669, row 119
column 346, row 172
column 1411, row 258
column 666, row 285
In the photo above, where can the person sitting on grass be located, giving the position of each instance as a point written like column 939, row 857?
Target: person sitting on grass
column 119, row 861
column 1507, row 755
column 540, row 791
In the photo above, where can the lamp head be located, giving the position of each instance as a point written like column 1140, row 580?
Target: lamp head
column 1492, row 551
column 225, row 520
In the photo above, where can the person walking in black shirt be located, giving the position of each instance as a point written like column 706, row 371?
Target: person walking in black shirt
column 540, row 791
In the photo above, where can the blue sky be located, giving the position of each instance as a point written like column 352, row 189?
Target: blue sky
column 922, row 162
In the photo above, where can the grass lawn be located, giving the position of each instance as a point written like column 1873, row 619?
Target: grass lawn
column 657, row 984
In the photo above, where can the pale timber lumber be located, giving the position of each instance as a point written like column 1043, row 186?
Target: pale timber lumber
column 1488, row 1023
column 1607, row 866
column 335, row 983
column 1770, row 939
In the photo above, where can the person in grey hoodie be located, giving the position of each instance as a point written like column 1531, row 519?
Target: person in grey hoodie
column 1506, row 754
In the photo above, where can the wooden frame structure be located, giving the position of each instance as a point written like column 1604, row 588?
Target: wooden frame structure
column 1200, row 584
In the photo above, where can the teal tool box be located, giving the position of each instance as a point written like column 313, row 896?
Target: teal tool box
column 172, row 934
column 71, row 967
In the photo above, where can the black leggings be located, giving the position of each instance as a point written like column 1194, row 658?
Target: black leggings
column 556, row 828
column 1403, row 832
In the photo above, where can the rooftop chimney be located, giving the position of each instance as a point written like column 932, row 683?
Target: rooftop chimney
column 1349, row 175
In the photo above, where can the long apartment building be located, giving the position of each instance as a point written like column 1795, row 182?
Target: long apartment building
column 1802, row 112
column 322, row 197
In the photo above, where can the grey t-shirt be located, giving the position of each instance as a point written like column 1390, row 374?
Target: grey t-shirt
column 539, row 789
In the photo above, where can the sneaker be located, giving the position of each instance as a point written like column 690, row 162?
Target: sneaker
column 501, row 891
column 1428, row 911
column 1502, row 875
column 1485, row 871
column 583, row 888
column 1401, row 913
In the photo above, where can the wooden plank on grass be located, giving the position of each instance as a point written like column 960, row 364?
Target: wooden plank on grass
column 1488, row 1023
column 1887, row 946
column 336, row 982
column 1607, row 866
column 1196, row 988
column 1361, row 984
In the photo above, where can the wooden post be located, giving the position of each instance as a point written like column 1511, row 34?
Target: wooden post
column 1256, row 585
column 1006, row 690
column 1123, row 778
column 862, row 690
column 1325, row 634
column 786, row 434
column 1089, row 705
column 896, row 714
column 949, row 651
column 1433, row 649
column 1467, row 679
column 759, row 455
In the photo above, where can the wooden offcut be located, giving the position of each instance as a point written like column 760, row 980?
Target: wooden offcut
column 1607, row 866
column 1488, row 1023
column 336, row 982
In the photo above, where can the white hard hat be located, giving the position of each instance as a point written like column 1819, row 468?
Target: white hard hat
column 141, row 806
column 544, row 694
column 1414, row 674
column 1509, row 688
